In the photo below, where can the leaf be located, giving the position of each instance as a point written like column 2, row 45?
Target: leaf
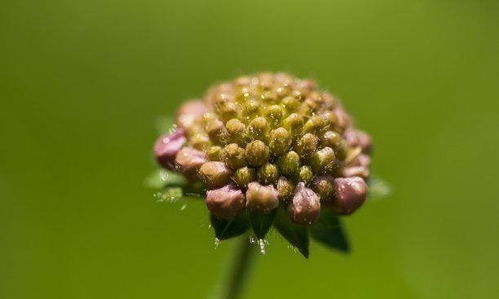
column 328, row 231
column 261, row 223
column 226, row 229
column 295, row 234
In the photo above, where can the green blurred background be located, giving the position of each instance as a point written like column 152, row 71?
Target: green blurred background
column 82, row 84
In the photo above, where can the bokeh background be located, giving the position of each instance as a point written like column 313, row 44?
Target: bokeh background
column 83, row 83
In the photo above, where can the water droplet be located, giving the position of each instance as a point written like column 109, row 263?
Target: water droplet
column 217, row 242
column 163, row 175
column 183, row 207
column 262, row 243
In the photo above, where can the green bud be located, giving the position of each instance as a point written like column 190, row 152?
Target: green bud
column 285, row 188
column 314, row 124
column 289, row 163
column 269, row 97
column 307, row 145
column 323, row 161
column 215, row 153
column 291, row 103
column 237, row 131
column 268, row 174
column 294, row 123
column 250, row 107
column 216, row 131
column 280, row 141
column 312, row 105
column 261, row 198
column 243, row 176
column 200, row 141
column 329, row 119
column 234, row 156
column 215, row 174
column 257, row 153
column 258, row 128
column 228, row 110
column 324, row 187
column 331, row 139
column 275, row 113
column 335, row 141
column 305, row 174
column 283, row 91
column 305, row 109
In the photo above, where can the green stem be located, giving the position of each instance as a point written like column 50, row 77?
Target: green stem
column 238, row 274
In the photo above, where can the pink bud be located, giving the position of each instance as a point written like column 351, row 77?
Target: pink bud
column 261, row 198
column 358, row 138
column 342, row 116
column 354, row 171
column 365, row 141
column 350, row 193
column 189, row 160
column 306, row 206
column 167, row 146
column 189, row 113
column 225, row 202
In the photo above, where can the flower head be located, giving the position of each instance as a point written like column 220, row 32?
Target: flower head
column 266, row 141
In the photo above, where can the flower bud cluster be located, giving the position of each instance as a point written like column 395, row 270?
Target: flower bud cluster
column 266, row 140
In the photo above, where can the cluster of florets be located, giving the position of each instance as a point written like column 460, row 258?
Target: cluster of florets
column 267, row 140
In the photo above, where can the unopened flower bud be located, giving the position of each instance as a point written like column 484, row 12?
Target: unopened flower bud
column 250, row 107
column 258, row 128
column 200, row 141
column 362, row 160
column 234, row 156
column 257, row 153
column 307, row 145
column 313, row 124
column 215, row 153
column 188, row 161
column 305, row 206
column 343, row 118
column 217, row 131
column 365, row 141
column 225, row 202
column 294, row 123
column 291, row 103
column 349, row 194
column 268, row 174
column 237, row 131
column 280, row 141
column 261, row 198
column 356, row 171
column 285, row 188
column 228, row 110
column 215, row 174
column 275, row 113
column 269, row 97
column 324, row 187
column 329, row 119
column 305, row 174
column 323, row 161
column 335, row 141
column 189, row 113
column 167, row 147
column 289, row 164
column 243, row 176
